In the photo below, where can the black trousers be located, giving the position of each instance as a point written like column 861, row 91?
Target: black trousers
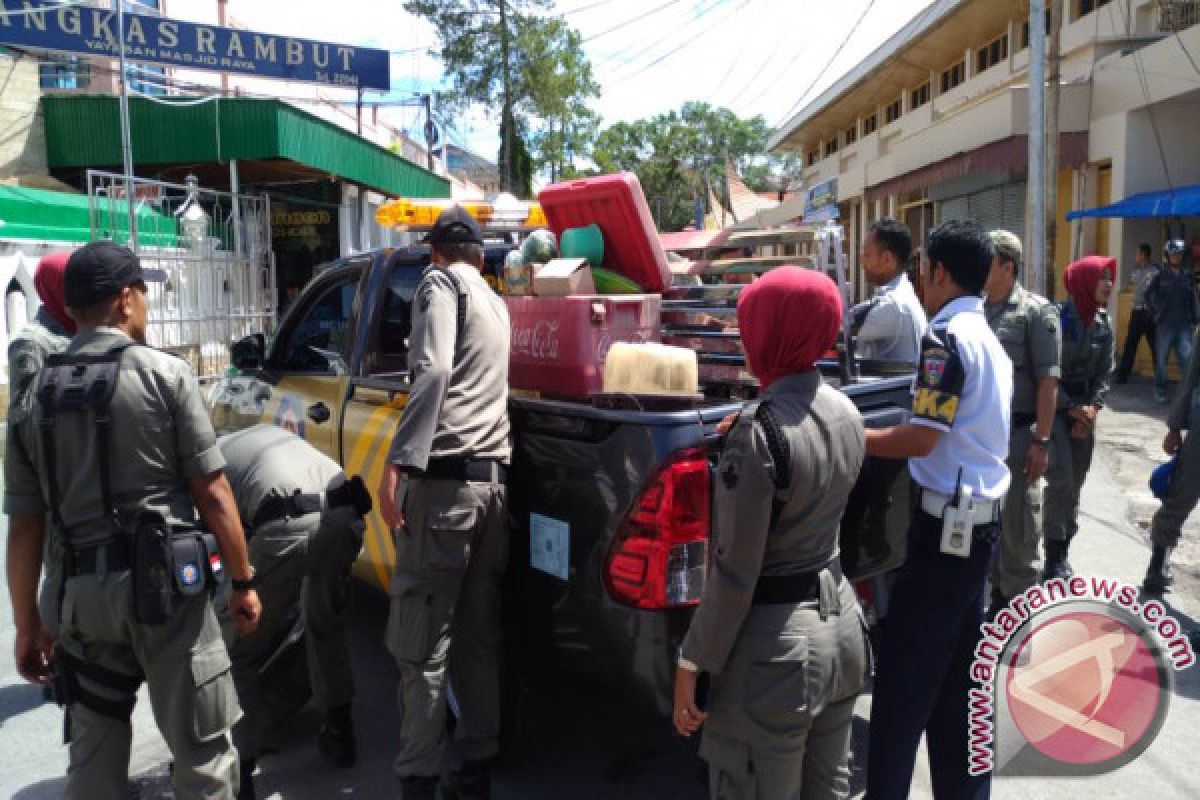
column 1140, row 324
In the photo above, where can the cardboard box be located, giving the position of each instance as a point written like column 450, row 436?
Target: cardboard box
column 564, row 277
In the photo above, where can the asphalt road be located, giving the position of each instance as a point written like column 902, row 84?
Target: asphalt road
column 572, row 741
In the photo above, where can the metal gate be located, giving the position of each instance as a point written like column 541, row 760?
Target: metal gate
column 213, row 252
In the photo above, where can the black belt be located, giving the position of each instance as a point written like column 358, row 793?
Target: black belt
column 1024, row 419
column 275, row 508
column 114, row 555
column 801, row 587
column 467, row 469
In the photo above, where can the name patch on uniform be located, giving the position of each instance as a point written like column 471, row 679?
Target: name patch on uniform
column 936, row 406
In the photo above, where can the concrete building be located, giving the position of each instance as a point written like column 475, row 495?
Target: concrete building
column 934, row 124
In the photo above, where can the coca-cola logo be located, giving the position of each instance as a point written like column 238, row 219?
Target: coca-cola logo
column 538, row 342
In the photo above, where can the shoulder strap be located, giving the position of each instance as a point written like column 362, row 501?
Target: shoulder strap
column 781, row 454
column 74, row 383
column 460, row 297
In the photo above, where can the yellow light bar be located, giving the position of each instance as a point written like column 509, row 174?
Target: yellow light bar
column 404, row 213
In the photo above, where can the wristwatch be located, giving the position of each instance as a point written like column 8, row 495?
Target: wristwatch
column 245, row 585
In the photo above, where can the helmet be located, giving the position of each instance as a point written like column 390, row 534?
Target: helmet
column 1175, row 247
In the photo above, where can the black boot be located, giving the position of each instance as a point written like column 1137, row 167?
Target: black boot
column 336, row 739
column 419, row 787
column 1057, row 565
column 472, row 782
column 246, row 789
column 1159, row 575
column 999, row 601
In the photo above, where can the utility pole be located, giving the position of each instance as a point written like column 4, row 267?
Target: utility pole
column 427, row 101
column 223, row 21
column 1035, row 208
column 1053, row 73
column 358, row 105
column 506, row 120
column 126, row 138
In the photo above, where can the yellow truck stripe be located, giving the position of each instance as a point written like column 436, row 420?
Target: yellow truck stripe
column 365, row 443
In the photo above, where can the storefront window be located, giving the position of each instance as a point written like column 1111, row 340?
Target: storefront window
column 63, row 72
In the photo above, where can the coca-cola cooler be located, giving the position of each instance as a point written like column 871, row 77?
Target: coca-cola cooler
column 559, row 343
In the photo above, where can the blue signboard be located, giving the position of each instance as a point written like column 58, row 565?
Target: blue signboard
column 820, row 202
column 159, row 40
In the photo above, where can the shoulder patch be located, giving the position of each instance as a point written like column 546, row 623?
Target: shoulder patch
column 933, row 366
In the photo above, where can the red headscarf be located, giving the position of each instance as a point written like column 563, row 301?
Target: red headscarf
column 48, row 280
column 1081, row 280
column 788, row 319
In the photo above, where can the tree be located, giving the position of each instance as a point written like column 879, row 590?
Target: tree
column 507, row 56
column 680, row 156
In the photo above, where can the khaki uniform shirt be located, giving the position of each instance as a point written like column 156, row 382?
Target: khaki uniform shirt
column 824, row 432
column 1087, row 359
column 161, row 436
column 894, row 324
column 1027, row 326
column 458, row 404
column 27, row 352
column 265, row 461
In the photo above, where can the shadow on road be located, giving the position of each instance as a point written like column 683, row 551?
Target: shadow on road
column 16, row 700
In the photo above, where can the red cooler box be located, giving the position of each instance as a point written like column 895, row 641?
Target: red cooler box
column 615, row 203
column 559, row 343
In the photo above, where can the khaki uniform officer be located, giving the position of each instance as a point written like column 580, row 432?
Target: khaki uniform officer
column 1088, row 348
column 303, row 520
column 48, row 332
column 779, row 628
column 1183, row 491
column 1027, row 326
column 130, row 600
column 448, row 464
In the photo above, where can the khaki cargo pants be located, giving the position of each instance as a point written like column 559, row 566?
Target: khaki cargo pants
column 445, row 618
column 307, row 559
column 1181, row 497
column 781, row 711
column 186, row 668
column 1015, row 569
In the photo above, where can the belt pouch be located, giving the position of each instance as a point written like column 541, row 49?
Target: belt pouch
column 188, row 560
column 212, row 557
column 153, row 589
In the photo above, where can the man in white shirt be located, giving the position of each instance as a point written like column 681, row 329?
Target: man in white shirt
column 957, row 443
column 892, row 323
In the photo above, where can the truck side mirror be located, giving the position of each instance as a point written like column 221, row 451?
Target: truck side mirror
column 249, row 352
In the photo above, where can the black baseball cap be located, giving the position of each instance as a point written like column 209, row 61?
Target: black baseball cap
column 455, row 226
column 98, row 271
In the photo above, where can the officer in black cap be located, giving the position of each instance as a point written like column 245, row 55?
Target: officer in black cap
column 118, row 452
column 444, row 491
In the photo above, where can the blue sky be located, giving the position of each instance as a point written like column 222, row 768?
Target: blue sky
column 752, row 56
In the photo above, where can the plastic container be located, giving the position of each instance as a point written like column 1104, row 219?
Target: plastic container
column 559, row 344
column 616, row 204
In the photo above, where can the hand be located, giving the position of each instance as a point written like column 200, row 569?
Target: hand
column 687, row 717
column 1036, row 458
column 245, row 609
column 1080, row 430
column 724, row 425
column 33, row 649
column 389, row 484
column 1172, row 442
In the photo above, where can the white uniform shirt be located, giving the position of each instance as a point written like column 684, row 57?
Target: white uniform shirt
column 964, row 388
column 894, row 324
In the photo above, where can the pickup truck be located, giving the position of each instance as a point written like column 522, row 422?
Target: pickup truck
column 610, row 507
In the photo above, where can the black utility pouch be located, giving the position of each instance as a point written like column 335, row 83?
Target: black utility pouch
column 153, row 564
column 212, row 556
column 189, row 560
column 60, row 684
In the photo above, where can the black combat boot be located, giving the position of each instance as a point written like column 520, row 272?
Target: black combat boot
column 246, row 788
column 336, row 739
column 472, row 782
column 999, row 601
column 419, row 787
column 1159, row 575
column 1057, row 565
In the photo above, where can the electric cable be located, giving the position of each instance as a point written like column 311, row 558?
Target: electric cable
column 693, row 40
column 1145, row 84
column 629, row 22
column 652, row 38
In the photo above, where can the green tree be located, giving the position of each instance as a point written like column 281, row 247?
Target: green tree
column 680, row 156
column 511, row 58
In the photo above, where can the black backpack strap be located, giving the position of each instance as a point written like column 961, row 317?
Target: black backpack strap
column 74, row 383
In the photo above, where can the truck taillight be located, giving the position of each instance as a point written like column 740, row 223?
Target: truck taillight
column 660, row 557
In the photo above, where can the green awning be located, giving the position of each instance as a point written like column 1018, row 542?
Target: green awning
column 84, row 131
column 45, row 216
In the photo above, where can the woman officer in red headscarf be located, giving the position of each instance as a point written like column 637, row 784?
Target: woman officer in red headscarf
column 48, row 332
column 1087, row 366
column 779, row 630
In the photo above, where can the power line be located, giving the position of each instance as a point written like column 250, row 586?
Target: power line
column 584, row 8
column 771, row 54
column 1145, row 84
column 629, row 22
column 646, row 47
column 685, row 44
column 828, row 64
